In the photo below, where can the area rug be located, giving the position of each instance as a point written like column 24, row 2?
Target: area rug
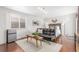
column 30, row 46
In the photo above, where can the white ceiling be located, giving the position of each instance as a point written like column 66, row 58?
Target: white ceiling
column 43, row 11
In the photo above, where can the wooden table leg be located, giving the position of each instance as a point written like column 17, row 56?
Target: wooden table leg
column 36, row 43
column 40, row 42
column 27, row 38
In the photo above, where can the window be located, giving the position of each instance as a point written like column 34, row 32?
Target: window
column 14, row 22
column 17, row 21
column 22, row 23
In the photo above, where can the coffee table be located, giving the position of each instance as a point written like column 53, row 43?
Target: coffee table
column 37, row 38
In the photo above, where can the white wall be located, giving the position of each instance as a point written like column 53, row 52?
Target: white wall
column 30, row 26
column 69, row 23
column 2, row 25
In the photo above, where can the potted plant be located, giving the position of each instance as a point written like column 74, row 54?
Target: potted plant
column 36, row 33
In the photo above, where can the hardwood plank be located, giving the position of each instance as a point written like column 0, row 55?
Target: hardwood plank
column 77, row 47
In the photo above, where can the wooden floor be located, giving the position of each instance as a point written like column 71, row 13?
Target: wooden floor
column 77, row 46
column 68, row 46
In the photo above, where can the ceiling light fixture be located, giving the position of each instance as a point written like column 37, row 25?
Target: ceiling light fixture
column 43, row 10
